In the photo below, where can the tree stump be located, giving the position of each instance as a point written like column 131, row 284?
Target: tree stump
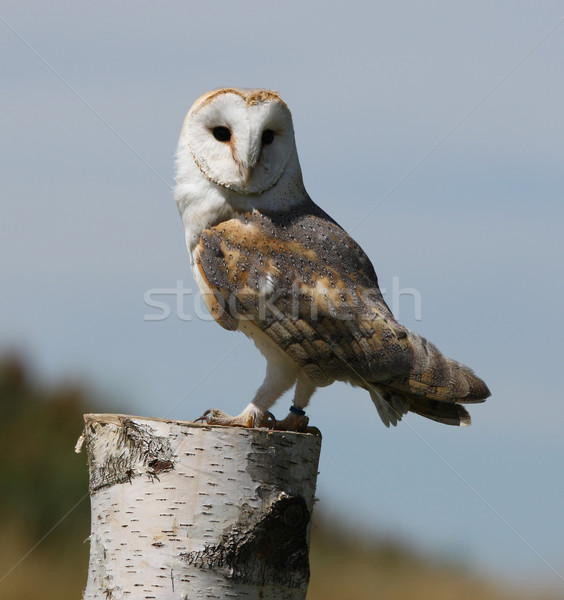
column 187, row 511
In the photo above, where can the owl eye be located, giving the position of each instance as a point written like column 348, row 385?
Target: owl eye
column 267, row 137
column 221, row 134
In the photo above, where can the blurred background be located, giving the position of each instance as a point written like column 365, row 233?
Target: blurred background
column 433, row 132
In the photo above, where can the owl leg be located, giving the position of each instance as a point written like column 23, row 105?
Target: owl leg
column 296, row 419
column 280, row 376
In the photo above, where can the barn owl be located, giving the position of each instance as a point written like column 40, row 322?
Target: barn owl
column 272, row 264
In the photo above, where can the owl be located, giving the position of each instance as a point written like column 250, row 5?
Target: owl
column 271, row 263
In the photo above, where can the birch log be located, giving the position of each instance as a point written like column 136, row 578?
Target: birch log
column 186, row 511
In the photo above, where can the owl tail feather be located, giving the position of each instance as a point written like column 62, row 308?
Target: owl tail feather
column 392, row 405
column 449, row 414
column 435, row 389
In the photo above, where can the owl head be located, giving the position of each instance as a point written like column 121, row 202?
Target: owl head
column 239, row 139
column 236, row 153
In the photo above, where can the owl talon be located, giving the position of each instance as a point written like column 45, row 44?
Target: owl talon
column 204, row 417
column 298, row 423
column 313, row 430
column 270, row 421
column 214, row 416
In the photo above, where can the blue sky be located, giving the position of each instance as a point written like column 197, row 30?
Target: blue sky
column 433, row 132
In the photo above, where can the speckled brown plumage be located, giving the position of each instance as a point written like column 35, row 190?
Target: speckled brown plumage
column 310, row 288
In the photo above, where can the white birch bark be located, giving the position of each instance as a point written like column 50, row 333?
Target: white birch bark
column 186, row 511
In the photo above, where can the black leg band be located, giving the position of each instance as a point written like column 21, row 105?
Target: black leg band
column 297, row 411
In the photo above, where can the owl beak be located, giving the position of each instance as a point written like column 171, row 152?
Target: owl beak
column 247, row 163
column 246, row 173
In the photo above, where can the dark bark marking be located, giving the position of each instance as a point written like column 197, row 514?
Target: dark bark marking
column 271, row 551
column 138, row 446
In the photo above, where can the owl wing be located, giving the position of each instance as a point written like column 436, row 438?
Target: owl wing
column 304, row 282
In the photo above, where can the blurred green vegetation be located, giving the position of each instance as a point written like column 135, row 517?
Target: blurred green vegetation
column 45, row 516
column 41, row 480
